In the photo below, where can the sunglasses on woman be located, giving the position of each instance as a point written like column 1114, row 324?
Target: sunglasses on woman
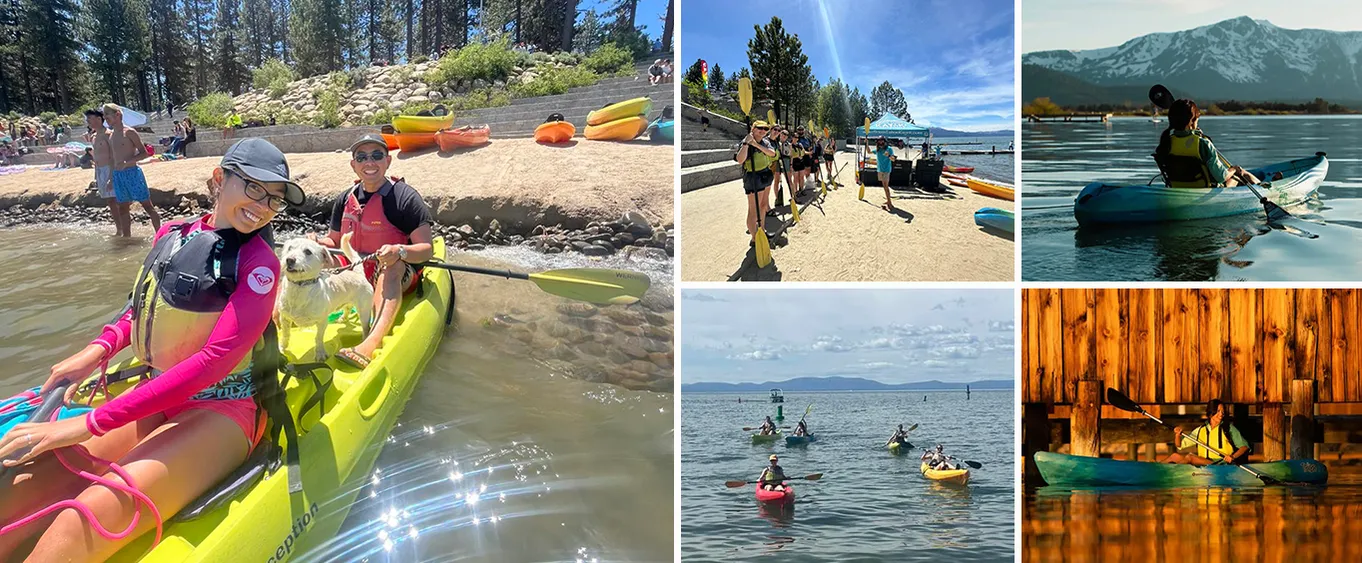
column 375, row 156
column 258, row 192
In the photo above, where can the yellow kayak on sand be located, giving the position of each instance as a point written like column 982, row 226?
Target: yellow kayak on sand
column 621, row 110
column 990, row 189
column 340, row 438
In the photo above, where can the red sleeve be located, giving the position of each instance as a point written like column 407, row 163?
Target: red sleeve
column 238, row 329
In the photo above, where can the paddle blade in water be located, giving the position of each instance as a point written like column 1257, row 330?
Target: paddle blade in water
column 593, row 285
column 1275, row 212
column 745, row 95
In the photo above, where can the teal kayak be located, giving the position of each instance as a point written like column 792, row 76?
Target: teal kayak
column 1082, row 471
column 995, row 219
column 662, row 130
column 800, row 440
column 1100, row 203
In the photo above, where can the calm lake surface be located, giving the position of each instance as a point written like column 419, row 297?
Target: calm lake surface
column 869, row 505
column 1060, row 158
column 502, row 454
column 1304, row 524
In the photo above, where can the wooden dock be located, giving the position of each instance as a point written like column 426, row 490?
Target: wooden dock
column 1071, row 118
column 1270, row 352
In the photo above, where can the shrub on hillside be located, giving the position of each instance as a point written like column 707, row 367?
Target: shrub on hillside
column 697, row 95
column 609, row 59
column 479, row 99
column 555, row 81
column 274, row 77
column 211, row 111
column 490, row 62
column 328, row 109
column 633, row 41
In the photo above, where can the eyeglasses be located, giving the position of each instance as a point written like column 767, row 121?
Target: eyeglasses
column 375, row 156
column 258, row 192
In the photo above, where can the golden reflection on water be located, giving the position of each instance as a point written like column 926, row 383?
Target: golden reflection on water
column 1268, row 524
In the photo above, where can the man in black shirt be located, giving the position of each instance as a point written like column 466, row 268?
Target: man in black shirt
column 388, row 219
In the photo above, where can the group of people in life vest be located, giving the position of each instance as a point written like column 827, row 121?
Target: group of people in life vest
column 771, row 152
column 768, row 428
column 1188, row 158
column 199, row 318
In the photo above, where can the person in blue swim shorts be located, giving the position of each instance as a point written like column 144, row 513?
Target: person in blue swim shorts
column 129, row 184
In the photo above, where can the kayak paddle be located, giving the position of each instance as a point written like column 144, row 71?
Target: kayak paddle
column 736, row 484
column 1161, row 97
column 860, row 180
column 1119, row 400
column 761, row 246
column 50, row 403
column 593, row 285
column 770, row 116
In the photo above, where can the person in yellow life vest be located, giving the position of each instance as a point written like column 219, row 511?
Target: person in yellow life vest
column 755, row 155
column 1226, row 444
column 772, row 476
column 1189, row 159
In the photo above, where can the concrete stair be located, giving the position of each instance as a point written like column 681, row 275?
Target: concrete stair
column 707, row 157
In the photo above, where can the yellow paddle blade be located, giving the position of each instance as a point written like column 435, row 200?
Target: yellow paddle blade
column 771, row 116
column 794, row 206
column 745, row 95
column 861, row 196
column 812, row 129
column 763, row 248
column 594, row 285
column 867, row 128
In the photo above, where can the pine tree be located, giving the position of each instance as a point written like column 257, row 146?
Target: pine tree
column 590, row 34
column 49, row 33
column 317, row 36
column 169, row 56
column 716, row 78
column 232, row 74
column 200, row 34
column 885, row 98
column 779, row 57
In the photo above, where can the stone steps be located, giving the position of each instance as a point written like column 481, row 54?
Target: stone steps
column 708, row 156
column 688, row 144
column 705, row 175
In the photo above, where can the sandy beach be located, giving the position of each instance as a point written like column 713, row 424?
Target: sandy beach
column 516, row 181
column 932, row 236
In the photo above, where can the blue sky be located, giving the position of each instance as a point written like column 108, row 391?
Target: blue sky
column 649, row 15
column 1094, row 24
column 952, row 59
column 892, row 336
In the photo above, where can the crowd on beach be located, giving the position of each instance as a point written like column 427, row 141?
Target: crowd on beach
column 771, row 152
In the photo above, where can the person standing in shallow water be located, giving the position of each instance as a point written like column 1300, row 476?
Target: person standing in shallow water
column 98, row 137
column 129, row 183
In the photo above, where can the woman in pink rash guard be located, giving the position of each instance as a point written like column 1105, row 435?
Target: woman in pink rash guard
column 181, row 432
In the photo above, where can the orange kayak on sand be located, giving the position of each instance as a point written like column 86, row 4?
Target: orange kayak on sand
column 555, row 132
column 409, row 142
column 466, row 136
column 991, row 189
column 624, row 129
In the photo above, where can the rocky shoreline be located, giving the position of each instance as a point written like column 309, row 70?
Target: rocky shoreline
column 631, row 236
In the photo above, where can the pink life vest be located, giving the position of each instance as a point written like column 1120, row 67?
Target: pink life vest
column 370, row 227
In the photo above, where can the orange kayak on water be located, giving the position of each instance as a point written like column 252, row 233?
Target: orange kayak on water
column 467, row 136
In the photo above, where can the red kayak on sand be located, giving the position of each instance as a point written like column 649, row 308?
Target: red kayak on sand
column 784, row 496
column 958, row 169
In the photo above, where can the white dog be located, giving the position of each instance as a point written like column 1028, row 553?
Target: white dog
column 309, row 293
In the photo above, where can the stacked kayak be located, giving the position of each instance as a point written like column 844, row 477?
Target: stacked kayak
column 409, row 142
column 775, row 497
column 1101, row 203
column 390, row 136
column 466, row 136
column 422, row 123
column 621, row 121
column 996, row 219
column 800, row 440
column 765, row 438
column 952, row 476
column 991, row 189
column 340, row 438
column 1082, row 471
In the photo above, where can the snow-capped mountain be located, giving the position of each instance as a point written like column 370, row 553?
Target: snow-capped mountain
column 1240, row 58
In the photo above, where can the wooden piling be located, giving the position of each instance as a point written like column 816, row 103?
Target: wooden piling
column 1274, row 432
column 1035, row 436
column 1302, row 419
column 1086, row 417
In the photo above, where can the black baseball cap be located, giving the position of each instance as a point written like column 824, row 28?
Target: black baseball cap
column 369, row 138
column 263, row 162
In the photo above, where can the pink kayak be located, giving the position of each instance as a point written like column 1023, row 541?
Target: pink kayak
column 784, row 496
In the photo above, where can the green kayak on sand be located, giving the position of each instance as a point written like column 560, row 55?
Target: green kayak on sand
column 1082, row 471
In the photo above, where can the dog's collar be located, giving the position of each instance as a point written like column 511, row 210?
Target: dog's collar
column 305, row 282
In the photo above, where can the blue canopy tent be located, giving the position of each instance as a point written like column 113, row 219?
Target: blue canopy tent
column 893, row 126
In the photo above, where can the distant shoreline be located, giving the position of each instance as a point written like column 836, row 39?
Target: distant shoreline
column 787, row 392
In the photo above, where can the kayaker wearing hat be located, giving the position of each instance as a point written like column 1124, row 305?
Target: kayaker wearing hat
column 388, row 219
column 772, row 476
column 202, row 301
column 1187, row 156
column 756, row 154
column 1227, row 444
column 768, row 428
column 899, row 436
column 937, row 459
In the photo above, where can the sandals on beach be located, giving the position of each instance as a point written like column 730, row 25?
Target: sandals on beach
column 352, row 358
